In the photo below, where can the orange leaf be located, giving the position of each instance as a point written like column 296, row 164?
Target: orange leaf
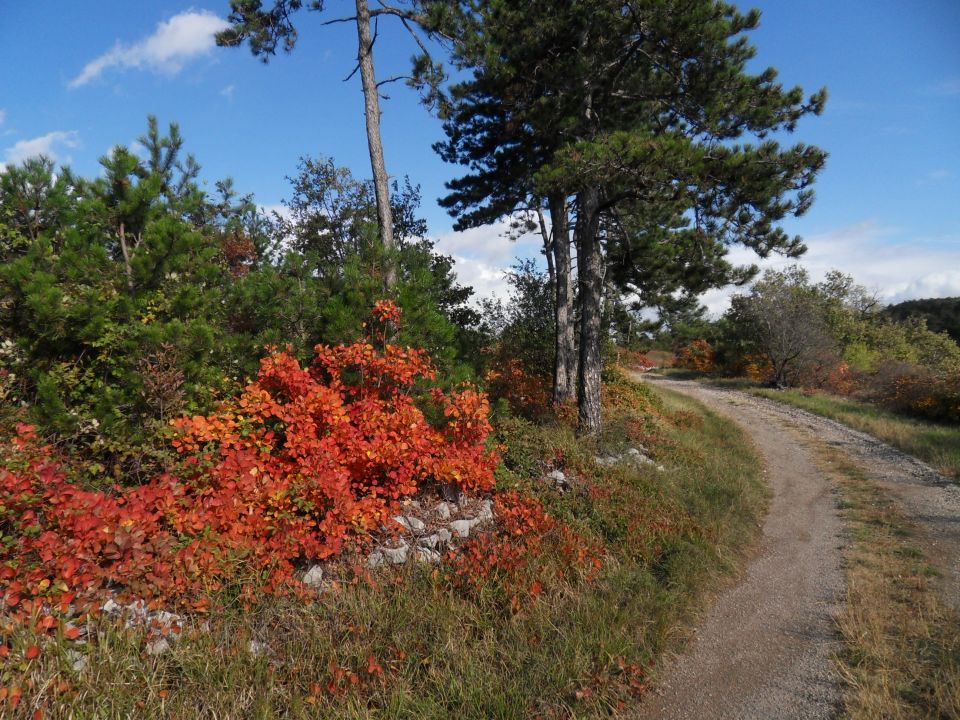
column 32, row 652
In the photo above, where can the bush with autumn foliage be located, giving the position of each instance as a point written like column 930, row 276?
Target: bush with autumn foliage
column 302, row 463
column 698, row 356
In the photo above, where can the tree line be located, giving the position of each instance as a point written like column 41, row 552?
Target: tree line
column 631, row 133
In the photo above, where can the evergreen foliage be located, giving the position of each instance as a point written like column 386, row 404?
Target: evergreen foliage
column 645, row 115
column 941, row 314
column 136, row 296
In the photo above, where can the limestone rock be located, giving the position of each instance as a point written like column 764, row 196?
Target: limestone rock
column 157, row 647
column 462, row 527
column 396, row 555
column 486, row 511
column 411, row 523
column 314, row 577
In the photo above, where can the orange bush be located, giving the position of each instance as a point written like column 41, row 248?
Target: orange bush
column 300, row 463
column 924, row 393
column 698, row 356
column 526, row 393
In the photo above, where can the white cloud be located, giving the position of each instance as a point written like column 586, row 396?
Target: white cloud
column 879, row 257
column 227, row 92
column 895, row 269
column 174, row 42
column 44, row 145
column 278, row 208
column 484, row 255
column 935, row 176
column 948, row 87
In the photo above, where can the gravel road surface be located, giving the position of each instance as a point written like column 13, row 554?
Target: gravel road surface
column 764, row 648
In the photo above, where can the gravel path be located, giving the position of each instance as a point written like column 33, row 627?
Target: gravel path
column 763, row 650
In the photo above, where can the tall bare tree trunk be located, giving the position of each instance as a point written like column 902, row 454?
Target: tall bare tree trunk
column 127, row 265
column 371, row 102
column 590, row 280
column 565, row 373
column 547, row 236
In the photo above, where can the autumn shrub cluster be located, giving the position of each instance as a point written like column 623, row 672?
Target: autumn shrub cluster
column 527, row 394
column 301, row 463
column 505, row 559
column 635, row 360
column 918, row 391
column 698, row 356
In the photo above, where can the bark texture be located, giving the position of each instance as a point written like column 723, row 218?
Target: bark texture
column 565, row 372
column 371, row 102
column 590, row 281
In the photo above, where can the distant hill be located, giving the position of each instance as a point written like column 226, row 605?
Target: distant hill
column 941, row 314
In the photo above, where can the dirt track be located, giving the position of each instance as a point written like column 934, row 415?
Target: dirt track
column 764, row 649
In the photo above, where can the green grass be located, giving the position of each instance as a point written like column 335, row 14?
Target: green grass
column 583, row 648
column 934, row 443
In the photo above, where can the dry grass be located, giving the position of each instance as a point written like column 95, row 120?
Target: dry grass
column 901, row 656
column 935, row 443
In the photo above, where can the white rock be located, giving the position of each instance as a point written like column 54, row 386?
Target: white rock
column 445, row 536
column 314, row 577
column 111, row 607
column 396, row 555
column 558, row 477
column 411, row 523
column 443, row 511
column 429, row 541
column 256, row 648
column 425, row 555
column 375, row 559
column 634, row 451
column 486, row 511
column 158, row 647
column 462, row 527
column 78, row 661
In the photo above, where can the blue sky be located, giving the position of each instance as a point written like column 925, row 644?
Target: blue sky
column 78, row 78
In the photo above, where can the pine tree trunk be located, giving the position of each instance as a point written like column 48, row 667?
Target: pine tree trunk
column 565, row 372
column 371, row 102
column 590, row 280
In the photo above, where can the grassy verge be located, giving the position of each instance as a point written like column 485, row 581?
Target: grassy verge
column 937, row 444
column 901, row 656
column 934, row 443
column 409, row 643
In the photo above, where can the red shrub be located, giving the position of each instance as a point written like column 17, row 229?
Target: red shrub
column 698, row 356
column 506, row 557
column 917, row 391
column 301, row 462
column 527, row 394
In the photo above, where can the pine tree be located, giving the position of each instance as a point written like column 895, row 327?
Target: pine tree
column 266, row 30
column 642, row 108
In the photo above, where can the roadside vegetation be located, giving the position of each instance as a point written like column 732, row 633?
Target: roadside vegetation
column 566, row 617
column 937, row 444
column 830, row 348
column 901, row 643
